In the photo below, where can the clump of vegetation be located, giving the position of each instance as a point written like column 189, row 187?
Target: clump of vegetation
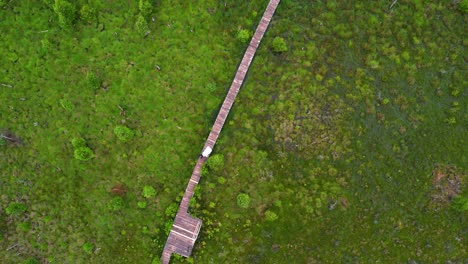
column 66, row 13
column 92, row 80
column 141, row 25
column 24, row 226
column 171, row 210
column 124, row 133
column 78, row 142
column 460, row 203
column 243, row 200
column 270, row 216
column 244, row 35
column 66, row 104
column 463, row 6
column 83, row 153
column 88, row 14
column 221, row 180
column 148, row 191
column 81, row 150
column 16, row 209
column 88, row 247
column 142, row 204
column 215, row 162
column 279, row 45
column 145, row 7
column 116, row 204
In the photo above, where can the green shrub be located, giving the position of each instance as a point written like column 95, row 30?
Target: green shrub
column 88, row 14
column 244, row 35
column 149, row 191
column 142, row 204
column 171, row 210
column 215, row 162
column 243, row 200
column 270, row 216
column 145, row 7
column 78, row 142
column 124, row 133
column 83, row 153
column 460, row 203
column 88, row 247
column 279, row 45
column 116, row 204
column 65, row 12
column 141, row 25
column 463, row 6
column 16, row 209
column 2, row 141
column 221, row 180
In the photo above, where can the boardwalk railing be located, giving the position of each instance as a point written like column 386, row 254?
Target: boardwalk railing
column 185, row 229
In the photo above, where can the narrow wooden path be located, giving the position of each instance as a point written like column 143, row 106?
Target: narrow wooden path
column 185, row 229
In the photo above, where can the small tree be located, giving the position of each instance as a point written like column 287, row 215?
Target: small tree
column 243, row 200
column 279, row 45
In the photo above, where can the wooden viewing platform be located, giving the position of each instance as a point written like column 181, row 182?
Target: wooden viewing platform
column 184, row 231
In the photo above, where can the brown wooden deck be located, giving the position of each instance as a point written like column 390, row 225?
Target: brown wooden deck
column 185, row 229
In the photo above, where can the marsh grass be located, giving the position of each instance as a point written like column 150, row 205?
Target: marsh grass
column 337, row 136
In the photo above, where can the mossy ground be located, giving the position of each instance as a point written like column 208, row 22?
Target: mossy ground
column 340, row 137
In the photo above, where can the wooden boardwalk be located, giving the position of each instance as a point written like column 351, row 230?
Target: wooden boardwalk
column 185, row 229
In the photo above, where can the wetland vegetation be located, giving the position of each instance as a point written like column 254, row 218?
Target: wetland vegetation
column 346, row 144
